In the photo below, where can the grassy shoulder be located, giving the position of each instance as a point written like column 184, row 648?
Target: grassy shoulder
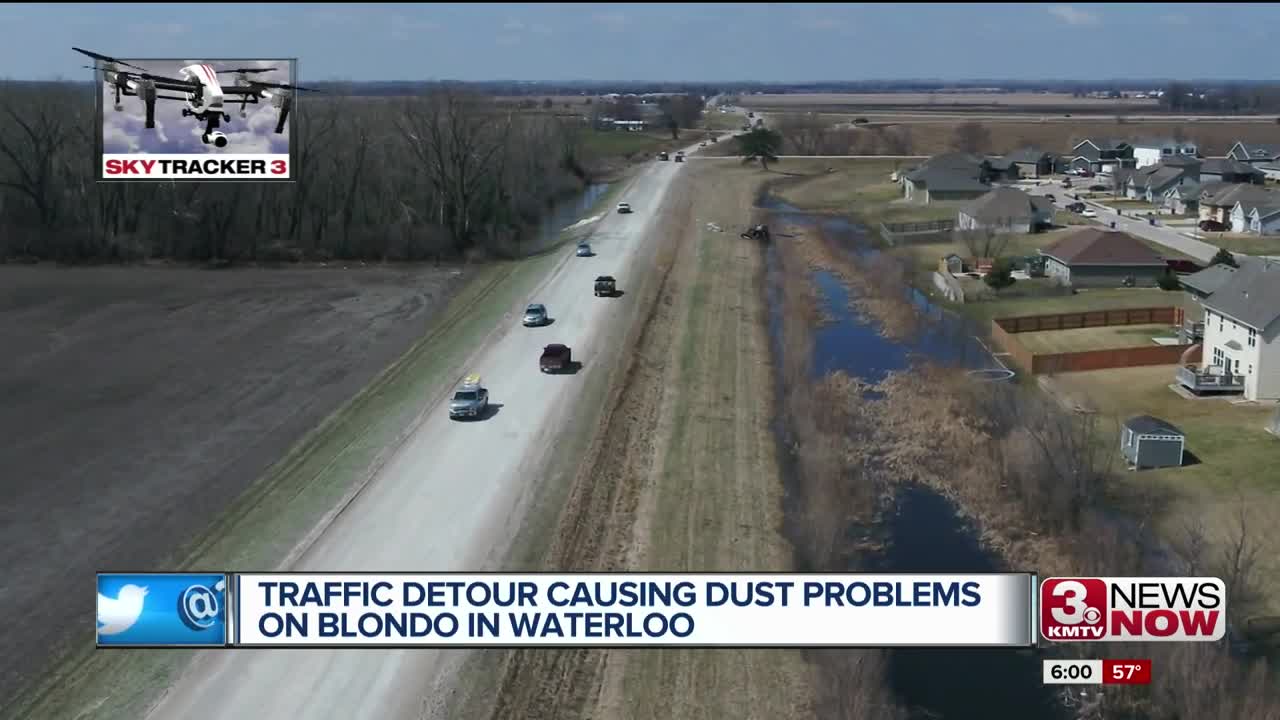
column 270, row 520
column 715, row 498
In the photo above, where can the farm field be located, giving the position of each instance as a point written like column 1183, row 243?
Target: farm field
column 943, row 99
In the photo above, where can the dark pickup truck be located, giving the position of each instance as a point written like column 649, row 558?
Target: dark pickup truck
column 556, row 358
column 606, row 286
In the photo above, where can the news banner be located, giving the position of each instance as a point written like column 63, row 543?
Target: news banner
column 403, row 610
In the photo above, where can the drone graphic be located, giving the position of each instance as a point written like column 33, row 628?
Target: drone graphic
column 200, row 90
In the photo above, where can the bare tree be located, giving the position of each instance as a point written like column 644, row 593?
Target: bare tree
column 458, row 142
column 971, row 137
column 984, row 243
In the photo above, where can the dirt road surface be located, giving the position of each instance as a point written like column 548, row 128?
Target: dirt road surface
column 449, row 500
column 139, row 401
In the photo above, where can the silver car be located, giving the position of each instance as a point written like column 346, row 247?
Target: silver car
column 535, row 315
column 471, row 399
column 584, row 250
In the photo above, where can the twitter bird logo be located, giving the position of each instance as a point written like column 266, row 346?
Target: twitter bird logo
column 115, row 615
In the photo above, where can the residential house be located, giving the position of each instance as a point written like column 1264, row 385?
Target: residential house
column 1227, row 170
column 1218, row 202
column 1034, row 162
column 1150, row 151
column 1243, row 210
column 1094, row 257
column 1254, row 153
column 1265, row 220
column 1181, row 199
column 1001, row 169
column 949, row 176
column 1270, row 170
column 1151, row 182
column 1241, row 331
column 1006, row 210
column 1101, row 156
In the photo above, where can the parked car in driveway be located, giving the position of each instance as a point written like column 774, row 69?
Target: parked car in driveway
column 1212, row 226
column 1089, row 213
column 535, row 315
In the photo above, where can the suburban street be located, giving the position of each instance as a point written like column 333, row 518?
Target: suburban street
column 451, row 499
column 1160, row 234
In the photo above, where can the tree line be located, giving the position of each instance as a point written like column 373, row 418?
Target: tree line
column 434, row 176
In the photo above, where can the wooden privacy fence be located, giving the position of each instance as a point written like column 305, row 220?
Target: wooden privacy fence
column 1004, row 330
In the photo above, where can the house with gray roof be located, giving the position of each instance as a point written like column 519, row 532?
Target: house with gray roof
column 1265, row 219
column 1241, row 328
column 1101, row 156
column 1255, row 152
column 1218, row 201
column 1245, row 208
column 1151, row 182
column 1094, row 257
column 1270, row 170
column 949, row 176
column 1149, row 151
column 1006, row 209
column 1033, row 162
column 1228, row 170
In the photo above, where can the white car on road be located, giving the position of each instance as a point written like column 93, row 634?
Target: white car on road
column 1089, row 213
column 624, row 208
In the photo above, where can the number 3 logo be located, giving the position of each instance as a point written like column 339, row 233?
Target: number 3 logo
column 1074, row 612
column 277, row 167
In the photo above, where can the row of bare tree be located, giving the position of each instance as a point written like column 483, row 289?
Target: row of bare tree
column 431, row 176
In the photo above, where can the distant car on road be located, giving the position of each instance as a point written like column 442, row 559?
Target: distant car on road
column 1212, row 226
column 606, row 286
column 584, row 250
column 555, row 358
column 680, row 156
column 1066, row 182
column 1077, row 207
column 624, row 208
column 1050, row 197
column 471, row 399
column 1088, row 213
column 702, row 144
column 535, row 315
column 663, row 155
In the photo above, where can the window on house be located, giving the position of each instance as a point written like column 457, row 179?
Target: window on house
column 1218, row 357
column 1251, row 369
column 1253, row 337
column 1220, row 323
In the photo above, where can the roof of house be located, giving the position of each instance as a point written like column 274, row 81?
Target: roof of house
column 1030, row 155
column 1228, row 194
column 1251, row 294
column 1181, row 160
column 1147, row 425
column 1158, row 178
column 954, row 160
column 1208, row 280
column 1264, row 199
column 1095, row 246
column 1104, row 144
column 1223, row 166
column 995, row 162
column 1272, row 166
column 1254, row 150
column 1006, row 205
column 1266, row 211
column 947, row 180
column 1149, row 142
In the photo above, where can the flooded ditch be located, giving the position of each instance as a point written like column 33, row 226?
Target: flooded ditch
column 923, row 531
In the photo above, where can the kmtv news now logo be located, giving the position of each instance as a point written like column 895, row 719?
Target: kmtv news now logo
column 195, row 167
column 1137, row 609
column 162, row 609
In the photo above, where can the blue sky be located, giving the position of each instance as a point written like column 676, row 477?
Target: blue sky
column 657, row 41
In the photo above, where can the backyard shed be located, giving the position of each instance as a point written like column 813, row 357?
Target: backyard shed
column 1148, row 442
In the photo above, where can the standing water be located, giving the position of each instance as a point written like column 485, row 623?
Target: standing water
column 564, row 213
column 924, row 533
